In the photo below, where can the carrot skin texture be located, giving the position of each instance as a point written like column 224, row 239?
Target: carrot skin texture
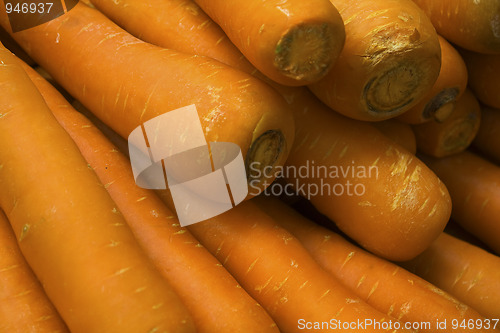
column 278, row 272
column 123, row 75
column 399, row 132
column 390, row 60
column 474, row 186
column 25, row 307
column 449, row 86
column 487, row 139
column 375, row 280
column 211, row 294
column 73, row 237
column 327, row 137
column 292, row 42
column 455, row 133
column 483, row 76
column 469, row 24
column 466, row 271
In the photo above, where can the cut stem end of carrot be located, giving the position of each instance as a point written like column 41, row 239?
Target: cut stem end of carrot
column 441, row 106
column 306, row 52
column 460, row 135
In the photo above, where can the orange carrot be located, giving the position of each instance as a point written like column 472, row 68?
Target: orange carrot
column 413, row 212
column 453, row 135
column 466, row 271
column 123, row 75
column 474, row 185
column 278, row 272
column 25, row 307
column 450, row 85
column 11, row 45
column 390, row 61
column 382, row 284
column 483, row 77
column 487, row 139
column 398, row 132
column 292, row 42
column 210, row 293
column 68, row 228
column 470, row 24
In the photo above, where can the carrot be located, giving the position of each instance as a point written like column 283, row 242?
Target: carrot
column 474, row 185
column 382, row 284
column 487, row 139
column 210, row 293
column 413, row 213
column 483, row 78
column 390, row 61
column 466, row 271
column 470, row 24
column 454, row 134
column 123, row 75
column 280, row 274
column 68, row 228
column 11, row 45
column 438, row 104
column 292, row 42
column 398, row 132
column 25, row 307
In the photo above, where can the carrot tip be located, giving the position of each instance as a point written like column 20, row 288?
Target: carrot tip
column 264, row 153
column 306, row 52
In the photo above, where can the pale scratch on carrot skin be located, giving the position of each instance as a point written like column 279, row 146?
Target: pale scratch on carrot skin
column 207, row 22
column 218, row 265
column 304, row 140
column 86, row 126
column 351, row 300
column 141, row 199
column 315, row 142
column 395, row 271
column 148, row 100
column 110, row 36
column 281, row 284
column 44, row 318
column 261, row 29
column 85, row 28
column 157, row 306
column 260, row 288
column 330, row 150
column 113, row 243
column 349, row 257
column 460, row 275
column 404, row 310
column 251, row 266
column 303, row 284
column 483, row 205
column 433, row 210
column 108, row 184
column 343, row 152
column 226, row 259
column 180, row 232
column 391, row 310
column 360, row 282
column 8, row 268
column 23, row 293
column 423, row 205
column 365, row 204
column 115, row 211
column 375, row 286
column 324, row 294
column 476, row 279
column 220, row 40
column 219, row 248
column 121, row 271
column 24, row 232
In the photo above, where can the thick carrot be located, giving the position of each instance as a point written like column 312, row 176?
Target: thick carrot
column 113, row 73
column 292, row 42
column 471, row 24
column 487, row 139
column 455, row 133
column 474, row 185
column 382, row 284
column 466, row 271
column 24, row 307
column 483, row 76
column 396, row 218
column 390, row 61
column 278, row 272
column 450, row 85
column 68, row 228
column 399, row 132
column 11, row 45
column 213, row 297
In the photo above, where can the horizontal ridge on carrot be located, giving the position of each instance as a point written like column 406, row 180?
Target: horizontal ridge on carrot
column 382, row 284
column 390, row 60
column 466, row 271
column 68, row 227
column 25, row 307
column 115, row 74
column 293, row 42
column 450, row 85
column 211, row 294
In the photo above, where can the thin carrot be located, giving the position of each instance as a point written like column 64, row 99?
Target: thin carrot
column 455, row 133
column 25, row 307
column 470, row 24
column 487, row 139
column 113, row 73
column 396, row 218
column 483, row 78
column 68, row 228
column 399, row 132
column 382, row 284
column 450, row 85
column 474, row 185
column 390, row 61
column 278, row 272
column 213, row 297
column 466, row 271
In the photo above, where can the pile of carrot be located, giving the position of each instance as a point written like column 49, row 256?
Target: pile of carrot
column 366, row 129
